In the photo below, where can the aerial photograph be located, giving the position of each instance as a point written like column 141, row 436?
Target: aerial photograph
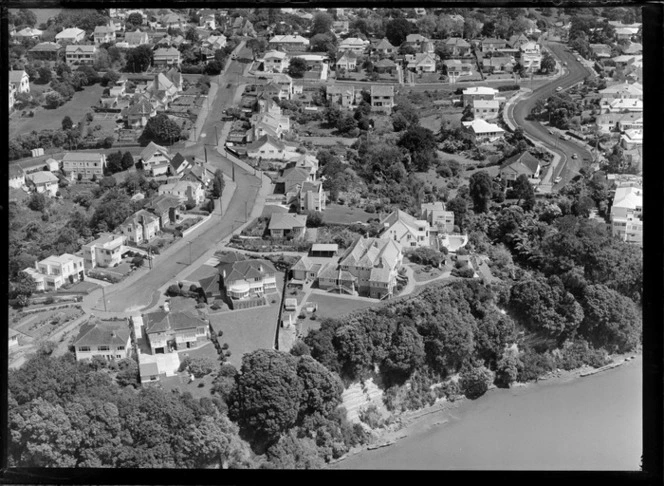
column 325, row 238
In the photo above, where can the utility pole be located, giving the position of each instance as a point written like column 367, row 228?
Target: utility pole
column 103, row 291
column 233, row 166
column 245, row 211
column 189, row 243
column 216, row 133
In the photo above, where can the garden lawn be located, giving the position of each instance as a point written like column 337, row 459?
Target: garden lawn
column 336, row 306
column 208, row 350
column 76, row 109
column 339, row 214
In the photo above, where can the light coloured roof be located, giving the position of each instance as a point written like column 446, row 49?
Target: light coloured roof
column 71, row 49
column 479, row 90
column 298, row 39
column 107, row 240
column 72, row 32
column 628, row 197
column 281, row 221
column 486, row 103
column 482, row 126
column 42, row 177
column 377, row 90
column 16, row 76
column 82, row 156
column 324, row 247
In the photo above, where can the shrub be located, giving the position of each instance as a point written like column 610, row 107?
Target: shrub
column 199, row 367
column 173, row 290
column 474, row 382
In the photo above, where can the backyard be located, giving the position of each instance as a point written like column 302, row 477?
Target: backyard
column 44, row 119
column 334, row 306
column 340, row 214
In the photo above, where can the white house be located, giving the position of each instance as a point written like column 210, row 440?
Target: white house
column 423, row 63
column 484, row 131
column 71, row 35
column 275, row 61
column 353, row 44
column 632, row 138
column 186, row 191
column 486, row 109
column 103, row 34
column 20, row 80
column 43, row 182
column 438, row 217
column 166, row 57
column 406, row 230
column 106, row 339
column 55, row 271
column 80, row 54
column 268, row 147
column 105, row 251
column 627, row 214
column 153, row 155
column 87, row 164
column 16, row 176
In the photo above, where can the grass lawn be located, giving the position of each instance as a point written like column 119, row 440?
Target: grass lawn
column 208, row 350
column 422, row 276
column 76, row 109
column 250, row 329
column 83, row 287
column 339, row 214
column 336, row 306
column 181, row 382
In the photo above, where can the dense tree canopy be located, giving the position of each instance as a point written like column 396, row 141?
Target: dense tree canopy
column 161, row 130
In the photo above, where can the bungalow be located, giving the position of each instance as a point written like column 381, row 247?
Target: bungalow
column 478, row 93
column 403, row 228
column 523, row 163
column 153, row 155
column 79, row 54
column 72, row 35
column 369, row 267
column 342, row 95
column 516, row 41
column 28, row 33
column 166, row 57
column 498, row 64
column 211, row 286
column 106, row 339
column 103, row 34
column 43, row 182
column 623, row 90
column 484, row 131
column 140, row 227
column 385, row 66
column 382, row 98
column 268, row 147
column 486, row 109
column 384, row 47
column 16, row 176
column 197, row 173
column 185, row 191
column 492, row 44
column 601, row 50
column 243, row 28
column 621, row 105
column 611, row 122
column 626, row 33
column 215, row 42
column 171, row 21
column 423, row 63
column 305, row 269
column 47, row 51
column 136, row 38
column 20, row 80
column 285, row 225
column 438, row 218
column 347, row 62
column 289, row 43
column 167, row 208
column 105, row 251
column 172, row 331
column 458, row 46
column 455, row 68
column 246, row 282
column 353, row 44
column 275, row 61
column 55, row 271
column 632, row 48
column 138, row 114
column 88, row 164
column 415, row 40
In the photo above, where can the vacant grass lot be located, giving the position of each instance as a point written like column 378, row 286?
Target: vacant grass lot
column 44, row 119
column 339, row 214
column 332, row 306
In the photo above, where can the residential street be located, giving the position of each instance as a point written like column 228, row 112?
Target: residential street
column 144, row 290
column 576, row 72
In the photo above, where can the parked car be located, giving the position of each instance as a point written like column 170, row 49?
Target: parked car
column 558, row 179
column 574, row 156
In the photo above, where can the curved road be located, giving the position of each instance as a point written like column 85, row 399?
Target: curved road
column 576, row 72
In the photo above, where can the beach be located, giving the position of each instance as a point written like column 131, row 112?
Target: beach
column 567, row 421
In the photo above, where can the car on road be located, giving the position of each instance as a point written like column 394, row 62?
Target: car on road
column 557, row 179
column 574, row 156
column 559, row 89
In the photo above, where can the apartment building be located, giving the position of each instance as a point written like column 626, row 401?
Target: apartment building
column 105, row 251
column 87, row 164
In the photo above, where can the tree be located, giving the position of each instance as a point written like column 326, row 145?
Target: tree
column 406, row 352
column 266, row 398
column 114, row 162
column 113, row 208
column 459, row 206
column 507, row 369
column 480, row 188
column 67, row 124
column 396, row 31
column 297, row 67
column 201, row 366
column 421, row 144
column 322, row 23
column 321, row 389
column 110, row 78
column 523, row 190
column 218, row 184
column 21, row 288
column 192, row 35
column 610, row 320
column 471, row 28
column 135, row 19
column 322, row 42
column 474, row 382
column 548, row 63
column 108, row 182
column 45, row 75
column 139, row 59
column 53, row 100
column 161, row 130
column 127, row 161
column 37, row 202
column 467, row 114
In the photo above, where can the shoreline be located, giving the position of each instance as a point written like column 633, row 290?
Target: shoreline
column 413, row 422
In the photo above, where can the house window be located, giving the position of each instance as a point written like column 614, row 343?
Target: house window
column 102, row 348
column 121, row 348
column 84, row 349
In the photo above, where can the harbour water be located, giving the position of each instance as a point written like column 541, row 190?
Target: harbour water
column 590, row 423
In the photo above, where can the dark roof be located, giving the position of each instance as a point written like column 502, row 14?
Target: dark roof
column 525, row 160
column 231, row 257
column 247, row 269
column 210, row 284
column 96, row 332
column 161, row 321
column 259, row 142
column 179, row 159
column 163, row 203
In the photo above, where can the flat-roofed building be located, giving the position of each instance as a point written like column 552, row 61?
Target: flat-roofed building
column 105, row 251
column 88, row 164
